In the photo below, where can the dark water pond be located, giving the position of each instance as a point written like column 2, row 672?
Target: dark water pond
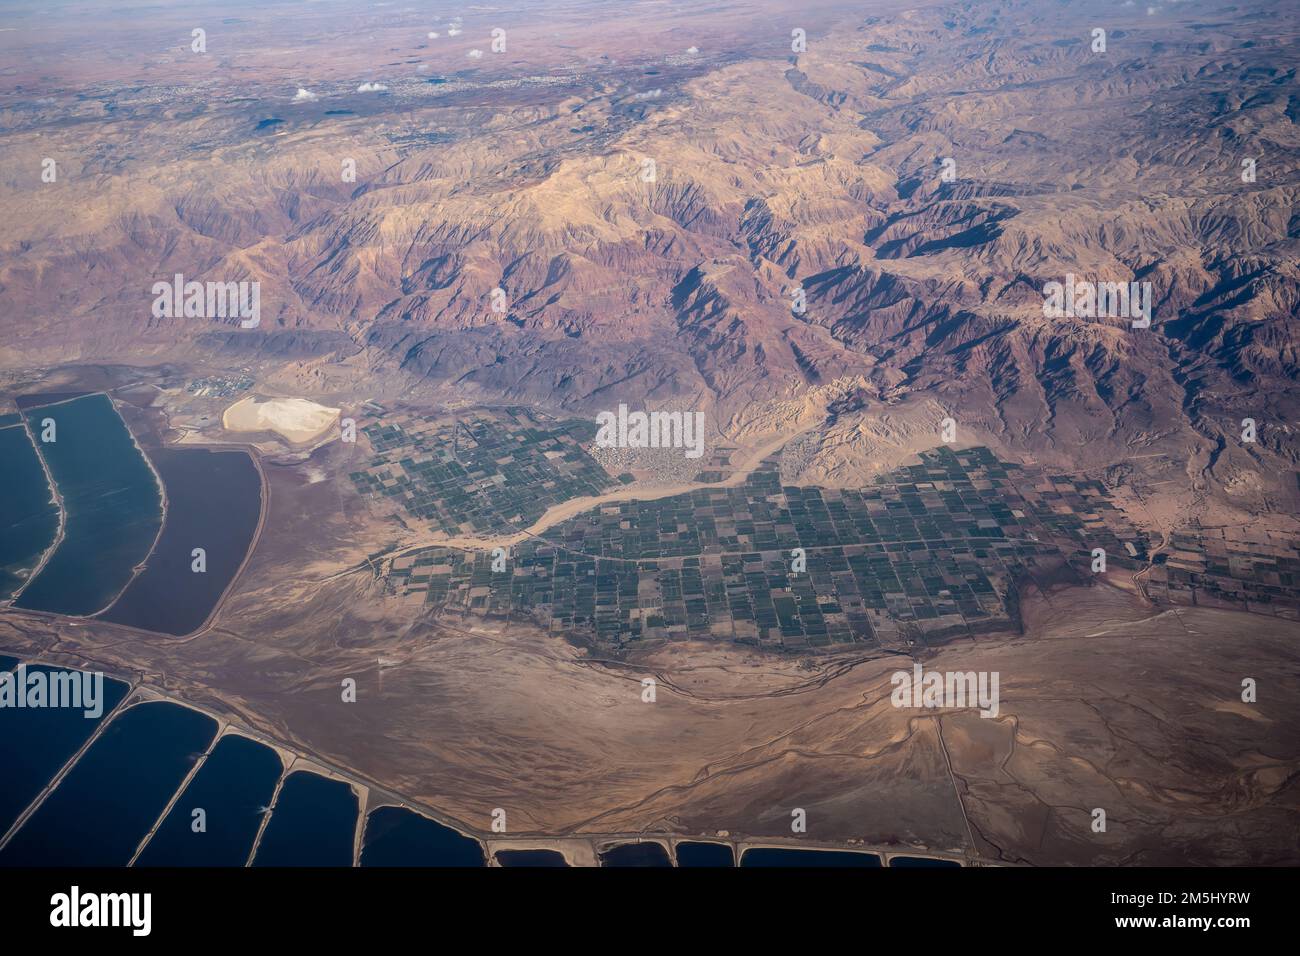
column 770, row 856
column 35, row 742
column 396, row 836
column 233, row 788
column 29, row 516
column 636, row 854
column 102, row 809
column 691, row 854
column 904, row 862
column 111, row 500
column 312, row 823
column 214, row 500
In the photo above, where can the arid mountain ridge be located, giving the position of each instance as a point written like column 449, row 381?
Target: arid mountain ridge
column 772, row 170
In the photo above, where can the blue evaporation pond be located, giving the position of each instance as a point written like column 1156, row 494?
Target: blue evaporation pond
column 636, row 854
column 35, row 742
column 312, row 824
column 233, row 788
column 214, row 501
column 691, row 853
column 29, row 516
column 113, row 795
column 112, row 506
column 396, row 836
column 904, row 862
column 771, row 856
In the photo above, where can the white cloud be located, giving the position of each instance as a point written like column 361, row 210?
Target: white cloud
column 474, row 54
column 693, row 49
column 304, row 96
column 453, row 31
column 371, row 88
column 433, row 34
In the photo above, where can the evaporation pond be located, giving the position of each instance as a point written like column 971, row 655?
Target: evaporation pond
column 691, row 853
column 771, row 856
column 396, row 836
column 636, row 854
column 312, row 823
column 29, row 515
column 214, row 500
column 35, row 742
column 102, row 809
column 111, row 501
column 215, row 821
